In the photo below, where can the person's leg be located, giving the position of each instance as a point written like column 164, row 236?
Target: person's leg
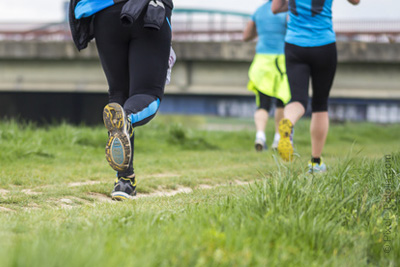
column 148, row 58
column 112, row 42
column 298, row 72
column 294, row 111
column 323, row 70
column 140, row 109
column 319, row 131
column 148, row 64
column 261, row 119
column 278, row 118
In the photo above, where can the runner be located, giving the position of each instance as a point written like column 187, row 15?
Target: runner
column 267, row 73
column 133, row 39
column 310, row 51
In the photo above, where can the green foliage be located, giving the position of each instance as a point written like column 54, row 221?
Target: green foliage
column 179, row 136
column 284, row 217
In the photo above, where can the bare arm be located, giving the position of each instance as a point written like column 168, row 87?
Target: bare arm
column 354, row 2
column 250, row 32
column 279, row 6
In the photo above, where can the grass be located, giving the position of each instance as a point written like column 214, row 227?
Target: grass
column 284, row 217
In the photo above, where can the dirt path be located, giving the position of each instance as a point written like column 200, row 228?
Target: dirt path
column 68, row 202
column 169, row 193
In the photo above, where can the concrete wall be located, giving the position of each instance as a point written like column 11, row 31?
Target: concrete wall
column 366, row 70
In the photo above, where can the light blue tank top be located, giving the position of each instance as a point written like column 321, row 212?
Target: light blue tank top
column 86, row 8
column 310, row 23
column 271, row 30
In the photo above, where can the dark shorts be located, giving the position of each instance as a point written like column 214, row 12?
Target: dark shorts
column 319, row 64
column 266, row 101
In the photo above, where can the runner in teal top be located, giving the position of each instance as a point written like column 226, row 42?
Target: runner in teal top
column 271, row 30
column 310, row 23
column 311, row 54
column 267, row 73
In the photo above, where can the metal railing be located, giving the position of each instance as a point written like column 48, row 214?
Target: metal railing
column 368, row 30
column 211, row 25
column 35, row 31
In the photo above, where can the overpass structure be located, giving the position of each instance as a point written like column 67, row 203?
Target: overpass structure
column 41, row 70
column 209, row 77
column 366, row 70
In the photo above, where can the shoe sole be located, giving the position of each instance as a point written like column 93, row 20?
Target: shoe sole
column 121, row 196
column 259, row 147
column 315, row 171
column 285, row 147
column 118, row 147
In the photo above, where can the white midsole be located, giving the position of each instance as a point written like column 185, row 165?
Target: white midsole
column 121, row 194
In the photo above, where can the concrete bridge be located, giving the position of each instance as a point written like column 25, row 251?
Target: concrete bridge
column 366, row 71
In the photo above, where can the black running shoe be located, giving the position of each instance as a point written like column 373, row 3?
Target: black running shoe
column 118, row 148
column 124, row 188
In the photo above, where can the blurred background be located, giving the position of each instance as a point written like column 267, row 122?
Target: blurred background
column 44, row 78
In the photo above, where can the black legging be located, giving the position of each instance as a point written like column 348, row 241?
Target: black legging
column 266, row 101
column 319, row 63
column 135, row 62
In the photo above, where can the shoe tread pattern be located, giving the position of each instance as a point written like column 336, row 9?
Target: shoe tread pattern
column 114, row 120
column 285, row 147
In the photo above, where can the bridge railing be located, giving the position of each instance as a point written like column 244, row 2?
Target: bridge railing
column 368, row 30
column 213, row 25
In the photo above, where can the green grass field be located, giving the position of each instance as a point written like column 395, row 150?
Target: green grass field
column 242, row 208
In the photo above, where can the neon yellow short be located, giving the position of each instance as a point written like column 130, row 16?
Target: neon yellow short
column 267, row 74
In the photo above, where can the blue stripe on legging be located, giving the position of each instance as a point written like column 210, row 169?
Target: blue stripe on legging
column 169, row 23
column 146, row 112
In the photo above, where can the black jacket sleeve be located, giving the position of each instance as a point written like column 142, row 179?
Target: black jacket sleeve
column 131, row 11
column 81, row 29
column 155, row 12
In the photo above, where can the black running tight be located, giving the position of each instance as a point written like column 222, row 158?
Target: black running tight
column 135, row 62
column 266, row 101
column 319, row 64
